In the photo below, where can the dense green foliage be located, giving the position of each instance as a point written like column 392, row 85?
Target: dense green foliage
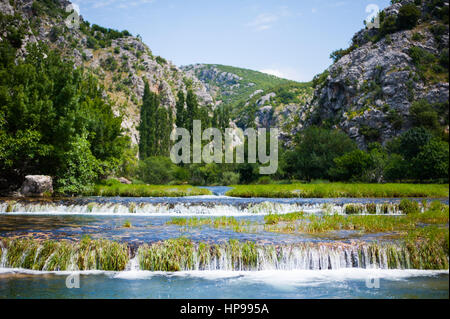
column 314, row 153
column 155, row 126
column 54, row 121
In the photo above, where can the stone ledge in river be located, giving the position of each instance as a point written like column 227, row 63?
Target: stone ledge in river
column 36, row 186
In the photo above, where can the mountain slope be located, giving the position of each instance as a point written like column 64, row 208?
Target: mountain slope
column 119, row 60
column 390, row 79
column 229, row 85
column 256, row 99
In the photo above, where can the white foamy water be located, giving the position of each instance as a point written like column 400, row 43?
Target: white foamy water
column 282, row 277
column 191, row 206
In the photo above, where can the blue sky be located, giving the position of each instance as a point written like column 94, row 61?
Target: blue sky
column 288, row 38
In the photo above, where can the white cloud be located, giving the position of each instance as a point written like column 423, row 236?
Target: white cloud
column 263, row 21
column 285, row 73
column 275, row 72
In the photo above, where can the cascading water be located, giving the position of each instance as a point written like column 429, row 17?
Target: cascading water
column 196, row 206
column 186, row 256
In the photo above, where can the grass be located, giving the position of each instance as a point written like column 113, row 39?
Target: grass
column 336, row 190
column 428, row 248
column 423, row 248
column 217, row 222
column 437, row 213
column 135, row 190
column 183, row 254
column 63, row 255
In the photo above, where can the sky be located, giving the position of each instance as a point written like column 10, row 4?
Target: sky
column 292, row 39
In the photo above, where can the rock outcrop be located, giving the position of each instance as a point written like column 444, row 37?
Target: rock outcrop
column 36, row 186
column 369, row 91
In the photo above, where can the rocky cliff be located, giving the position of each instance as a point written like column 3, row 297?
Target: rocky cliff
column 371, row 88
column 119, row 60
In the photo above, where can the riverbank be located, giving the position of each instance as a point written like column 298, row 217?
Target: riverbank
column 340, row 190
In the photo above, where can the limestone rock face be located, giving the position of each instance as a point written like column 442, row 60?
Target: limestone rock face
column 378, row 79
column 36, row 185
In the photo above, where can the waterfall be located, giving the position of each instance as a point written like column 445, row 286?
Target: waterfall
column 229, row 207
column 184, row 255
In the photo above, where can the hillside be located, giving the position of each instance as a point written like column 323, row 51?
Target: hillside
column 230, row 85
column 119, row 60
column 256, row 99
column 390, row 79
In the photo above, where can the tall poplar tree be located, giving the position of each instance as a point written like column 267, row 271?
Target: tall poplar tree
column 147, row 128
column 181, row 111
column 191, row 109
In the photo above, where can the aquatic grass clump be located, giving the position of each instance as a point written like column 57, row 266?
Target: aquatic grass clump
column 170, row 255
column 10, row 206
column 337, row 190
column 276, row 218
column 135, row 190
column 407, row 206
column 437, row 214
column 428, row 248
column 63, row 255
column 353, row 209
column 217, row 222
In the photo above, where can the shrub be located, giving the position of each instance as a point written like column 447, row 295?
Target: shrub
column 408, row 16
column 351, row 166
column 389, row 25
column 424, row 115
column 264, row 180
column 230, row 178
column 156, row 170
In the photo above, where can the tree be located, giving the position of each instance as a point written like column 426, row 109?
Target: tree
column 397, row 169
column 181, row 111
column 49, row 110
column 315, row 150
column 79, row 167
column 163, row 130
column 351, row 166
column 191, row 110
column 432, row 162
column 412, row 141
column 147, row 127
column 156, row 170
